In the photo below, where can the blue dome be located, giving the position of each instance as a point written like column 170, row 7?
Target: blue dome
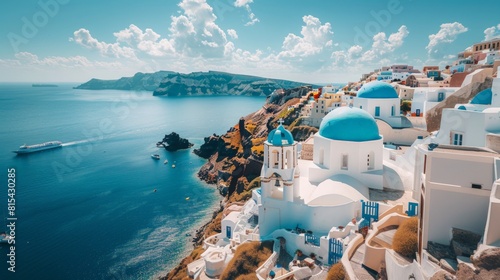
column 482, row 98
column 349, row 124
column 377, row 90
column 280, row 136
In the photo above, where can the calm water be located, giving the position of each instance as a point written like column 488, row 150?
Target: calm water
column 88, row 210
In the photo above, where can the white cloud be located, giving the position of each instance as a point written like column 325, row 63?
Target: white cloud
column 380, row 53
column 82, row 36
column 251, row 16
column 383, row 45
column 232, row 33
column 315, row 38
column 147, row 41
column 242, row 3
column 195, row 33
column 492, row 32
column 447, row 33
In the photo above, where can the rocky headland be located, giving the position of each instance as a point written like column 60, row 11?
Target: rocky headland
column 169, row 83
column 140, row 81
column 219, row 83
column 173, row 142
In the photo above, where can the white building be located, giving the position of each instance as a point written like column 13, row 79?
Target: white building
column 425, row 98
column 469, row 124
column 402, row 76
column 454, row 188
column 379, row 99
column 384, row 76
column 347, row 162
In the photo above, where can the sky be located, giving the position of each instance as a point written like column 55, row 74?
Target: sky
column 308, row 41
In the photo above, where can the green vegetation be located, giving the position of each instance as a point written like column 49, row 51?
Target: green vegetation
column 405, row 105
column 405, row 240
column 247, row 258
column 336, row 272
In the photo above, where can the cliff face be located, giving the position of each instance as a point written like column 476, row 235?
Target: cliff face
column 140, row 81
column 216, row 83
column 463, row 95
column 235, row 158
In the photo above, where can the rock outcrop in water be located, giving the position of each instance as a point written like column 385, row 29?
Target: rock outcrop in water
column 173, row 142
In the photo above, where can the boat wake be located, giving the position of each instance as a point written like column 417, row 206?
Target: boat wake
column 73, row 143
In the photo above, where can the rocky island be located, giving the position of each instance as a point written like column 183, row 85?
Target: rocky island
column 169, row 83
column 173, row 142
column 220, row 83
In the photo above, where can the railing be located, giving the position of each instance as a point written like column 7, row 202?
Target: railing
column 211, row 241
column 266, row 267
column 312, row 239
column 348, row 253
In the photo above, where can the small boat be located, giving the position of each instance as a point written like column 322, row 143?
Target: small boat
column 166, row 161
column 155, row 156
column 187, row 198
column 173, row 165
column 154, row 190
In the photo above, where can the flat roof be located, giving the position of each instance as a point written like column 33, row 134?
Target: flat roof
column 453, row 149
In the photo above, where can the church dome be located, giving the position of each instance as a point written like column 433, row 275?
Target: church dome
column 349, row 124
column 377, row 90
column 280, row 137
column 483, row 97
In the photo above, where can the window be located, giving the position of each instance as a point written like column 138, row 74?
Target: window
column 457, row 138
column 392, row 111
column 360, row 107
column 477, row 186
column 377, row 111
column 370, row 161
column 345, row 162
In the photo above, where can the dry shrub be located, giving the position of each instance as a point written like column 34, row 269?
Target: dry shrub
column 247, row 258
column 405, row 240
column 336, row 272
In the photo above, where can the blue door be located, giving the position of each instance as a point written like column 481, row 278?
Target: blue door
column 440, row 96
column 417, row 113
column 392, row 111
column 377, row 111
column 228, row 231
column 335, row 251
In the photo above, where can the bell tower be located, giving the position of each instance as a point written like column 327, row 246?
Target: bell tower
column 280, row 165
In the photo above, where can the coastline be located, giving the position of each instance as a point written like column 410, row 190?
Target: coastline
column 196, row 232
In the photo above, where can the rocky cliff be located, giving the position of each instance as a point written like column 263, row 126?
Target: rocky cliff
column 235, row 158
column 219, row 83
column 140, row 81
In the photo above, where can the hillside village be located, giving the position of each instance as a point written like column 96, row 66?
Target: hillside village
column 401, row 181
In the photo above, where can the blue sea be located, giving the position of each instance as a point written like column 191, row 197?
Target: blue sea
column 88, row 210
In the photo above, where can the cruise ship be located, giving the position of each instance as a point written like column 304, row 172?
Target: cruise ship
column 25, row 149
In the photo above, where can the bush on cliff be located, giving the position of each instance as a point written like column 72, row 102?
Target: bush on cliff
column 336, row 272
column 248, row 257
column 405, row 240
